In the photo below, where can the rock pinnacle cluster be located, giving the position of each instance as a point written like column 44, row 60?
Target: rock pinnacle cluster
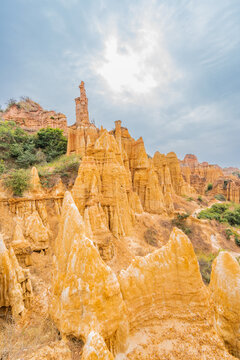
column 111, row 266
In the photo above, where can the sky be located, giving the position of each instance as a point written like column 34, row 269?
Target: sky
column 169, row 69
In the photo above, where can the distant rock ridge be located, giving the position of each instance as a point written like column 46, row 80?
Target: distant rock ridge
column 200, row 175
column 32, row 117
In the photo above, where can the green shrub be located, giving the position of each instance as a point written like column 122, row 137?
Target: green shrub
column 182, row 216
column 236, row 173
column 180, row 223
column 52, row 142
column 2, row 167
column 209, row 187
column 225, row 183
column 220, row 197
column 200, row 199
column 189, row 199
column 229, row 233
column 237, row 239
column 17, row 181
column 224, row 213
column 18, row 149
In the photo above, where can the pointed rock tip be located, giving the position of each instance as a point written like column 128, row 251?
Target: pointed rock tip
column 172, row 154
column 178, row 237
column 34, row 171
column 227, row 261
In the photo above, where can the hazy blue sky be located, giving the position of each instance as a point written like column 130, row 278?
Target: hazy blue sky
column 169, row 69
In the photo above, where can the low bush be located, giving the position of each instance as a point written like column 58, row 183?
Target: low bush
column 2, row 167
column 229, row 233
column 18, row 149
column 209, row 187
column 179, row 222
column 237, row 239
column 52, row 142
column 220, row 197
column 64, row 168
column 150, row 236
column 224, row 213
column 17, row 181
column 200, row 199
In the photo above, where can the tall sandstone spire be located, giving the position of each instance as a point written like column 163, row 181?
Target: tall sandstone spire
column 83, row 132
column 82, row 116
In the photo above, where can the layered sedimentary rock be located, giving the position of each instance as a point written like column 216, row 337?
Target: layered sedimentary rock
column 103, row 189
column 15, row 285
column 199, row 175
column 154, row 181
column 32, row 117
column 225, row 289
column 179, row 184
column 147, row 291
column 228, row 171
column 154, row 198
column 21, row 247
column 164, row 178
column 36, row 213
column 228, row 187
column 85, row 294
column 160, row 298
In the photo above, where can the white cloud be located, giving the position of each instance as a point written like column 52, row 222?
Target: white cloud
column 56, row 21
column 137, row 65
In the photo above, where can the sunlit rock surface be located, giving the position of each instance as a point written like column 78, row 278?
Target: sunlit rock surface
column 85, row 294
column 15, row 285
column 225, row 289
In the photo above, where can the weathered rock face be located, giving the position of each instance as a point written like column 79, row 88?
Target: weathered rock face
column 86, row 294
column 53, row 351
column 21, row 247
column 15, row 285
column 36, row 215
column 190, row 160
column 224, row 286
column 160, row 297
column 103, row 190
column 164, row 178
column 228, row 171
column 147, row 291
column 154, row 197
column 32, row 117
column 199, row 175
column 228, row 187
column 95, row 348
column 179, row 185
